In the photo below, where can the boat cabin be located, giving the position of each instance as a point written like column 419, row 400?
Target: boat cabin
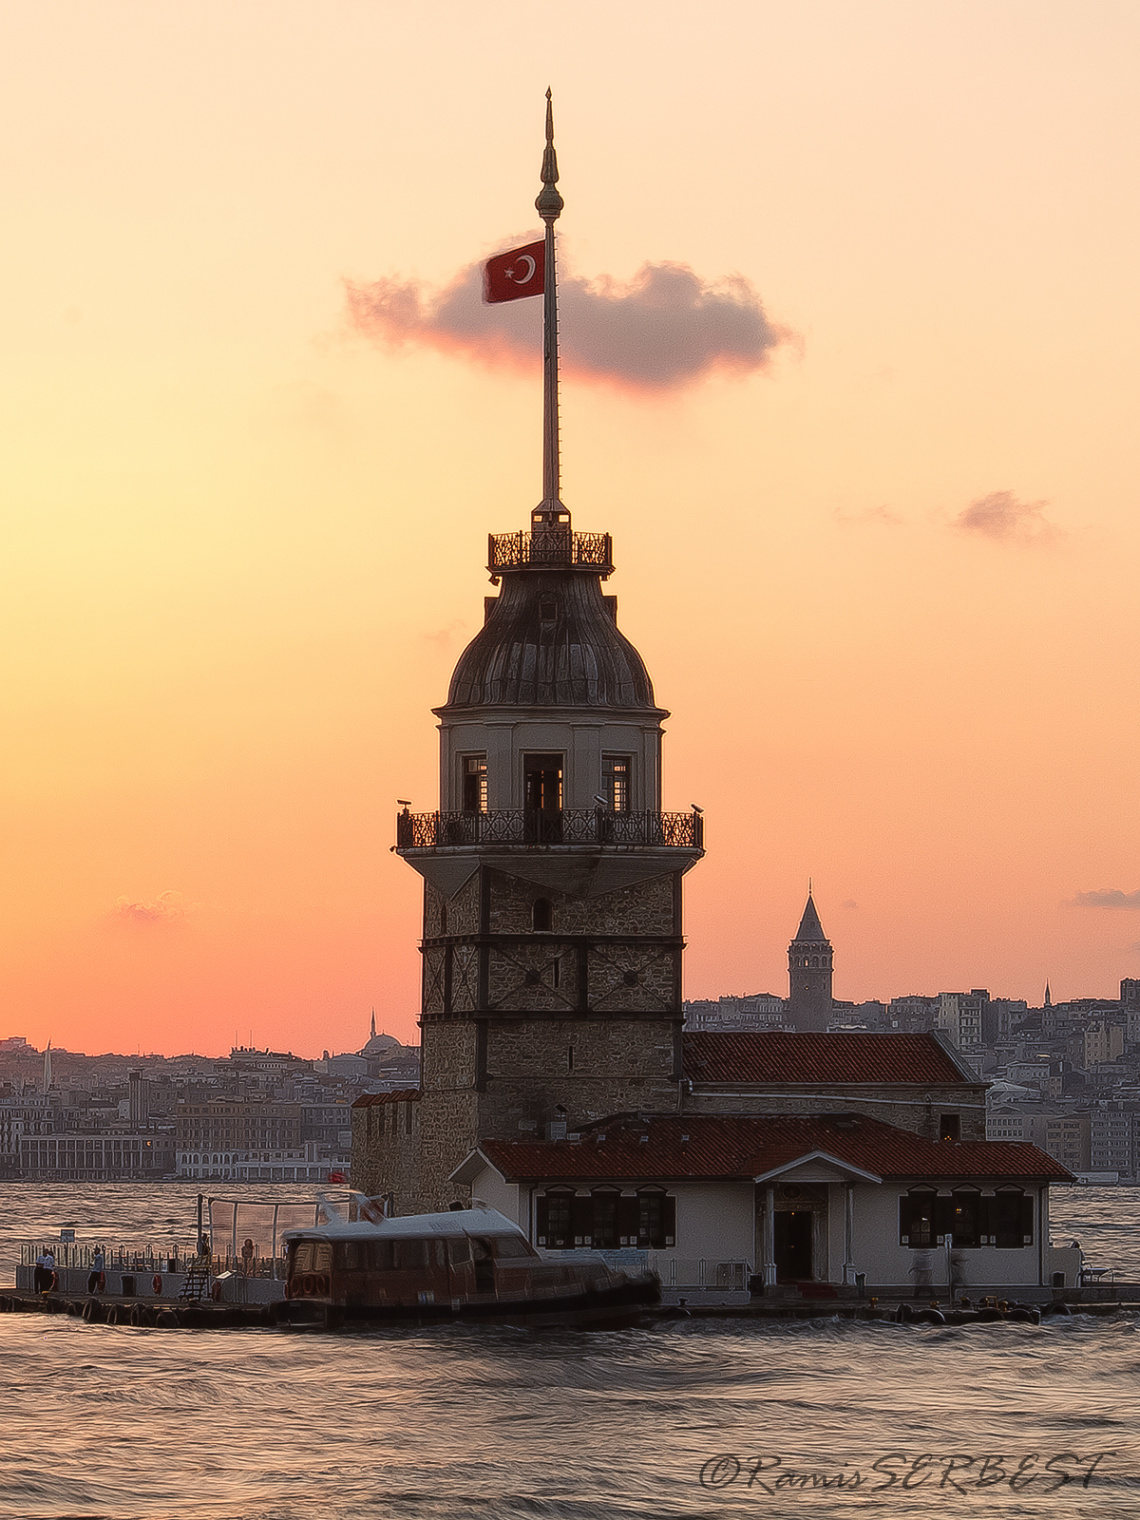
column 357, row 1258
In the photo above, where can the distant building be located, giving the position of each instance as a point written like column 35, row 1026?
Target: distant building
column 757, row 1010
column 961, row 1015
column 1110, row 1140
column 1067, row 1140
column 809, row 1005
column 101, row 1157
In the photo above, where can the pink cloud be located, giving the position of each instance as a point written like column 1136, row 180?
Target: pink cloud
column 663, row 330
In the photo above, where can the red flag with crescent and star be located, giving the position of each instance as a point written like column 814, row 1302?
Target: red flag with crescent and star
column 510, row 276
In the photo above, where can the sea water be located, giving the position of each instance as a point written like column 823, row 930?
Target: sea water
column 689, row 1418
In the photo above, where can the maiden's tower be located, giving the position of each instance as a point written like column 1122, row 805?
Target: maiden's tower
column 552, row 926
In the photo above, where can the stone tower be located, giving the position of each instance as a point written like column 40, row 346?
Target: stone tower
column 809, row 974
column 552, row 879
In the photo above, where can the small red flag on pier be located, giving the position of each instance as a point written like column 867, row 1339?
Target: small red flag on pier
column 510, row 276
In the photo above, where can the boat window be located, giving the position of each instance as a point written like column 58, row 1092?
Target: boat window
column 484, row 1265
column 311, row 1256
column 410, row 1255
column 507, row 1246
column 380, row 1255
column 352, row 1255
column 459, row 1251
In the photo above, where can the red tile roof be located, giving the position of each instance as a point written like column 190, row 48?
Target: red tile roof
column 815, row 1058
column 710, row 1146
column 404, row 1095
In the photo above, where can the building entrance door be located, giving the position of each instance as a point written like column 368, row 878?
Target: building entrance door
column 793, row 1232
column 542, row 797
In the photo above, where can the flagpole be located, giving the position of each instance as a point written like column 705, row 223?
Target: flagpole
column 549, row 207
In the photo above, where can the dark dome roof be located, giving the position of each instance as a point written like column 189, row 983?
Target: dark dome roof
column 551, row 641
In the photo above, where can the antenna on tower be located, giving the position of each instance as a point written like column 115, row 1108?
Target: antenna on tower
column 549, row 207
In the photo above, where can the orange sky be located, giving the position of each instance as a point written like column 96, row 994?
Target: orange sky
column 245, row 544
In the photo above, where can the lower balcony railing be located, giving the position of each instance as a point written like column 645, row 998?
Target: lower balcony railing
column 533, row 826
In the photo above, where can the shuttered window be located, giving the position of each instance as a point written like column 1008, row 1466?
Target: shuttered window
column 605, row 1221
column 917, row 1218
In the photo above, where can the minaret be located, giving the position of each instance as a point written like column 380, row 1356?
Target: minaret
column 552, row 936
column 47, row 1068
column 809, row 973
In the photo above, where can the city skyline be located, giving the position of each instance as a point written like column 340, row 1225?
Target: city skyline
column 876, row 543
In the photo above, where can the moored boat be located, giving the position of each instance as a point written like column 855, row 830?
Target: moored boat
column 356, row 1266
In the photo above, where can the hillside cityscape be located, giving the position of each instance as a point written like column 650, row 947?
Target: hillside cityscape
column 1064, row 1076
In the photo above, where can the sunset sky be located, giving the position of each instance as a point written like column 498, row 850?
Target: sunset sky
column 851, row 316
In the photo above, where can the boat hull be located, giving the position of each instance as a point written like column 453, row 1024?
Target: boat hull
column 622, row 1304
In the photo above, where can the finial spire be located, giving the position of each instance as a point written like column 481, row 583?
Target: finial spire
column 549, row 207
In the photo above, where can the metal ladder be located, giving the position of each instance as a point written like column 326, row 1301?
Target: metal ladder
column 196, row 1283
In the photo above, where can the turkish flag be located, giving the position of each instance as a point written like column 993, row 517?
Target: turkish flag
column 510, row 276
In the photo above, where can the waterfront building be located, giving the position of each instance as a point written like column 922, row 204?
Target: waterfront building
column 225, row 1125
column 104, row 1156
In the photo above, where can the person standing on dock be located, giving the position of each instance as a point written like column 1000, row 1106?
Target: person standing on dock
column 95, row 1276
column 45, row 1270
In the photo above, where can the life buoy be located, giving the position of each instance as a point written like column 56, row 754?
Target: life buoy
column 156, row 1283
column 309, row 1284
column 216, row 1292
column 322, row 1284
column 290, row 1288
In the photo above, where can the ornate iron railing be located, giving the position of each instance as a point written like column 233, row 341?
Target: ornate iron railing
column 532, row 826
column 549, row 546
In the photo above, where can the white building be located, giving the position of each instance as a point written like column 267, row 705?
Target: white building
column 795, row 1200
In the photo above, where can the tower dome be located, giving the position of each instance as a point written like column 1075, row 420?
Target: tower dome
column 551, row 640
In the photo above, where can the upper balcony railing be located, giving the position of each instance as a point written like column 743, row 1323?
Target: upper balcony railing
column 541, row 827
column 550, row 548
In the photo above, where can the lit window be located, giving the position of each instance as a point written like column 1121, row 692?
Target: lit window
column 615, row 782
column 474, row 783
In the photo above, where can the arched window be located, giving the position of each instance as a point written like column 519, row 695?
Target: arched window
column 542, row 915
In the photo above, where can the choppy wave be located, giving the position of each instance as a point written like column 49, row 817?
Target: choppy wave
column 458, row 1423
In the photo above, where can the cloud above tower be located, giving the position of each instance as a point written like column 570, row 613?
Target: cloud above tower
column 663, row 330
